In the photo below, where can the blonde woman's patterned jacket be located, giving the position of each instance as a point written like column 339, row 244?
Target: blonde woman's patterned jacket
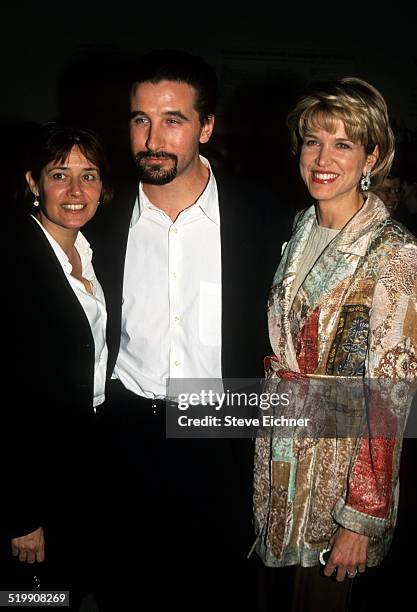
column 353, row 318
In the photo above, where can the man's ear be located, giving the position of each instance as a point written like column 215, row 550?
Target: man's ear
column 33, row 186
column 207, row 129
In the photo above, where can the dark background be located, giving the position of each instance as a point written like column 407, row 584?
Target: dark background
column 65, row 60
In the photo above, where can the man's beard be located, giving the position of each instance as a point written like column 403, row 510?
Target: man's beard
column 154, row 174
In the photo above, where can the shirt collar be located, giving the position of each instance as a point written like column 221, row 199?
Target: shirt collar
column 208, row 200
column 81, row 244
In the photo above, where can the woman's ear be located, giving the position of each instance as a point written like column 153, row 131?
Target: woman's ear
column 371, row 159
column 33, row 186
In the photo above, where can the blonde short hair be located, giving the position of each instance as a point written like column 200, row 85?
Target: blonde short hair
column 360, row 107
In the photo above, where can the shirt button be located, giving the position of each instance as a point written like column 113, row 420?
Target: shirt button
column 177, row 363
column 174, row 275
column 177, row 318
column 174, row 230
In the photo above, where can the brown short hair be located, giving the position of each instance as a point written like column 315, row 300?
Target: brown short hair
column 53, row 143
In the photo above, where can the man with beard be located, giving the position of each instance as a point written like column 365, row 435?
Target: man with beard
column 185, row 271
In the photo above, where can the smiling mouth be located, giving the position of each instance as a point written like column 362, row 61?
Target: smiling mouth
column 73, row 207
column 324, row 177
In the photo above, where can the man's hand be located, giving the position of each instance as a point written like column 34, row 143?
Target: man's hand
column 348, row 554
column 30, row 547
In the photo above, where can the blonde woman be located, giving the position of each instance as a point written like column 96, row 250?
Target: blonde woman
column 342, row 309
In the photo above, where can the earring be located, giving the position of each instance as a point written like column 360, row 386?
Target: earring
column 36, row 201
column 366, row 181
column 98, row 203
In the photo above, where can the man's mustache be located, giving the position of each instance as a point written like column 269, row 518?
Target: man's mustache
column 155, row 155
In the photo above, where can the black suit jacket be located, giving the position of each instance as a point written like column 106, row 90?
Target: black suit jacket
column 251, row 241
column 49, row 374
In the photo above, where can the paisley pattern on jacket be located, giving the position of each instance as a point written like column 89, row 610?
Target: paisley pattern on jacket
column 350, row 340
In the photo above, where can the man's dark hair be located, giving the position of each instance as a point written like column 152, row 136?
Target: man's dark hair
column 181, row 67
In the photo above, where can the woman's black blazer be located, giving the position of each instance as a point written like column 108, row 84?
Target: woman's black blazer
column 48, row 378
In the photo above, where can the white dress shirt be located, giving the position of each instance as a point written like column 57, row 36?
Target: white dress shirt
column 171, row 313
column 93, row 304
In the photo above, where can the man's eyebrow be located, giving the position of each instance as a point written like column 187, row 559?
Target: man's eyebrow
column 171, row 113
column 137, row 113
column 176, row 113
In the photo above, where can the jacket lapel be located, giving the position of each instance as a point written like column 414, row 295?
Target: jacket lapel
column 246, row 278
column 279, row 304
column 43, row 258
column 334, row 267
column 229, row 254
column 340, row 259
column 109, row 233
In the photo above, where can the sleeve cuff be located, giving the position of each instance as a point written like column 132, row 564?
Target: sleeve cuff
column 356, row 521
